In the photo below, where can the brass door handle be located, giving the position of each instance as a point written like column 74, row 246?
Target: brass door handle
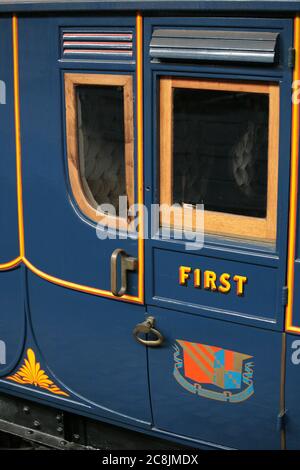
column 147, row 327
column 128, row 263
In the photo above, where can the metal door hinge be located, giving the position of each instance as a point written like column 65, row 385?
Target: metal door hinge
column 291, row 57
column 285, row 296
column 281, row 420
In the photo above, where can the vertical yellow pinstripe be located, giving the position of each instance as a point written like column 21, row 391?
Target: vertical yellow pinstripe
column 293, row 188
column 18, row 136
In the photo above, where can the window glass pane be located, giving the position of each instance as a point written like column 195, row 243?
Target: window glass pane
column 220, row 150
column 101, row 143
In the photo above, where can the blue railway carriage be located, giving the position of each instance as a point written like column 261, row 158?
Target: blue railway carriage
column 149, row 247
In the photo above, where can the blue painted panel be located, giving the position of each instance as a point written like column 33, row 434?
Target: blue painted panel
column 12, row 319
column 87, row 341
column 87, row 344
column 249, row 424
column 59, row 239
column 181, row 6
column 9, row 242
column 262, row 284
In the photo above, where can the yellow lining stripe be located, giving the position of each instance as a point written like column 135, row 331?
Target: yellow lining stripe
column 293, row 188
column 22, row 258
column 18, row 135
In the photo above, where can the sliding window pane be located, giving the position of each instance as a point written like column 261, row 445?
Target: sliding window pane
column 220, row 150
column 101, row 142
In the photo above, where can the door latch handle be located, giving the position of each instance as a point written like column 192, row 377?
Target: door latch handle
column 147, row 327
column 128, row 263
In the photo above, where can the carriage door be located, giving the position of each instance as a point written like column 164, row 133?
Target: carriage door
column 221, row 125
column 79, row 159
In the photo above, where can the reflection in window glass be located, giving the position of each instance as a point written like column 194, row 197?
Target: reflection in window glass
column 101, row 143
column 220, row 150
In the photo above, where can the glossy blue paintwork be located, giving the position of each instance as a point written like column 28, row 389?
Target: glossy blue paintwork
column 99, row 362
column 87, row 343
column 292, row 359
column 296, row 306
column 173, row 406
column 84, row 342
column 167, row 289
column 292, row 390
column 265, row 302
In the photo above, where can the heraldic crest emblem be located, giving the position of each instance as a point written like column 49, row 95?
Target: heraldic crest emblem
column 213, row 372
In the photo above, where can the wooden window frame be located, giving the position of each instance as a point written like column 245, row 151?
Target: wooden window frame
column 220, row 223
column 80, row 189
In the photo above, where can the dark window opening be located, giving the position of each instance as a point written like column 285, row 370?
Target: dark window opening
column 101, row 142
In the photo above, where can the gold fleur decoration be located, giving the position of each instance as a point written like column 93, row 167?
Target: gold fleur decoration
column 30, row 373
